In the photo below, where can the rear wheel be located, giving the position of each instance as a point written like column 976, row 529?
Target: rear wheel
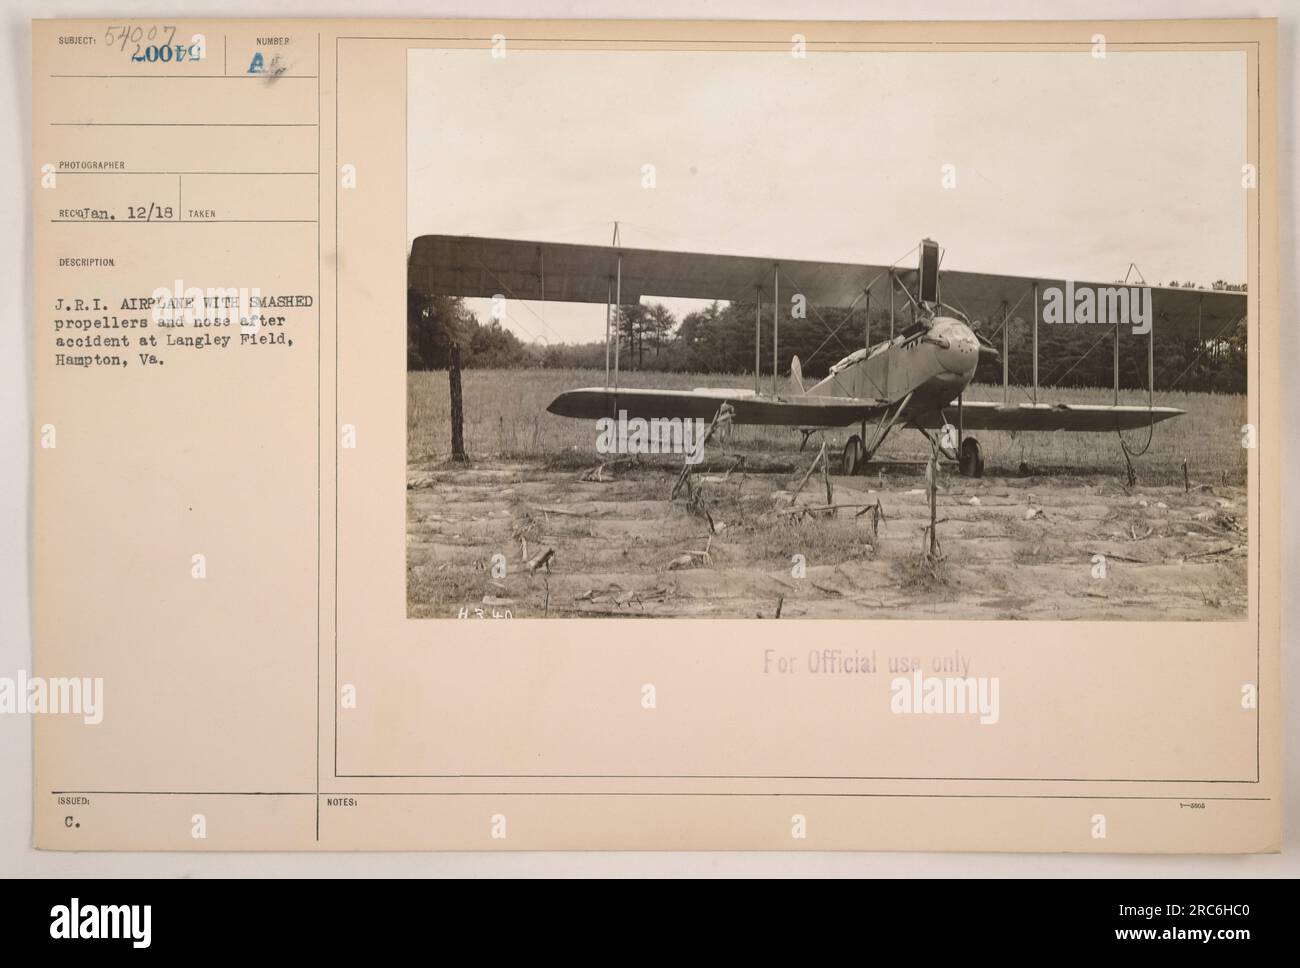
column 971, row 462
column 854, row 454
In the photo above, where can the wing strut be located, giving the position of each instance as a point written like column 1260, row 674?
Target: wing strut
column 618, row 308
column 866, row 334
column 1035, row 398
column 891, row 304
column 776, row 320
column 1006, row 357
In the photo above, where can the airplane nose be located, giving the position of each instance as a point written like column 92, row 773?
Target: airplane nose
column 962, row 352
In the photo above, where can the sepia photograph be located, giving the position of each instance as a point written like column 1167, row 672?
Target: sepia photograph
column 961, row 345
column 827, row 334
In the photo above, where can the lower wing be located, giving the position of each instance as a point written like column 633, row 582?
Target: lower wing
column 985, row 415
column 747, row 406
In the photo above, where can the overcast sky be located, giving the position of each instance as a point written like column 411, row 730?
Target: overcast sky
column 1066, row 166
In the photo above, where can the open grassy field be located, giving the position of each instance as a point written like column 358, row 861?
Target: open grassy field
column 505, row 417
column 1014, row 548
column 1015, row 545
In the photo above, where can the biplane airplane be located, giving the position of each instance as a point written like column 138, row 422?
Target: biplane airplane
column 913, row 378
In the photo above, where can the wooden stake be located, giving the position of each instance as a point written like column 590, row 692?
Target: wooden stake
column 821, row 455
column 457, row 408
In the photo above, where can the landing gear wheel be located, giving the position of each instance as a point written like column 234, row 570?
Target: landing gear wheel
column 854, row 455
column 971, row 462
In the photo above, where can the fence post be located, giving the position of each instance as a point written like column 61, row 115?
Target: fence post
column 457, row 410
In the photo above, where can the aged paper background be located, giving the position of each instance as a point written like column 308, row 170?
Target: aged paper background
column 250, row 657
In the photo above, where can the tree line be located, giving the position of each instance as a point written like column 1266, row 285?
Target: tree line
column 720, row 339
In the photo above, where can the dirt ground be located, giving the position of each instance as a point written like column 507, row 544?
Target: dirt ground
column 1013, row 547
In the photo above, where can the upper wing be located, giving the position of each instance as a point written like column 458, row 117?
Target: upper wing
column 459, row 265
column 985, row 415
column 1199, row 313
column 454, row 265
column 747, row 407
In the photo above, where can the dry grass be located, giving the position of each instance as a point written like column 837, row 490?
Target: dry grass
column 1013, row 547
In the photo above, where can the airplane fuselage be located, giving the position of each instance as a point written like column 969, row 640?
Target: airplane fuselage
column 934, row 365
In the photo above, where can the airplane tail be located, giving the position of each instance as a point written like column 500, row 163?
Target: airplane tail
column 796, row 373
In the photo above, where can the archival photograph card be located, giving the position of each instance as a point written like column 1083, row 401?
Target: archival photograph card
column 482, row 435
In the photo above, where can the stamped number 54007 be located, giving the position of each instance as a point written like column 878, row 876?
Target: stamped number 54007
column 174, row 52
